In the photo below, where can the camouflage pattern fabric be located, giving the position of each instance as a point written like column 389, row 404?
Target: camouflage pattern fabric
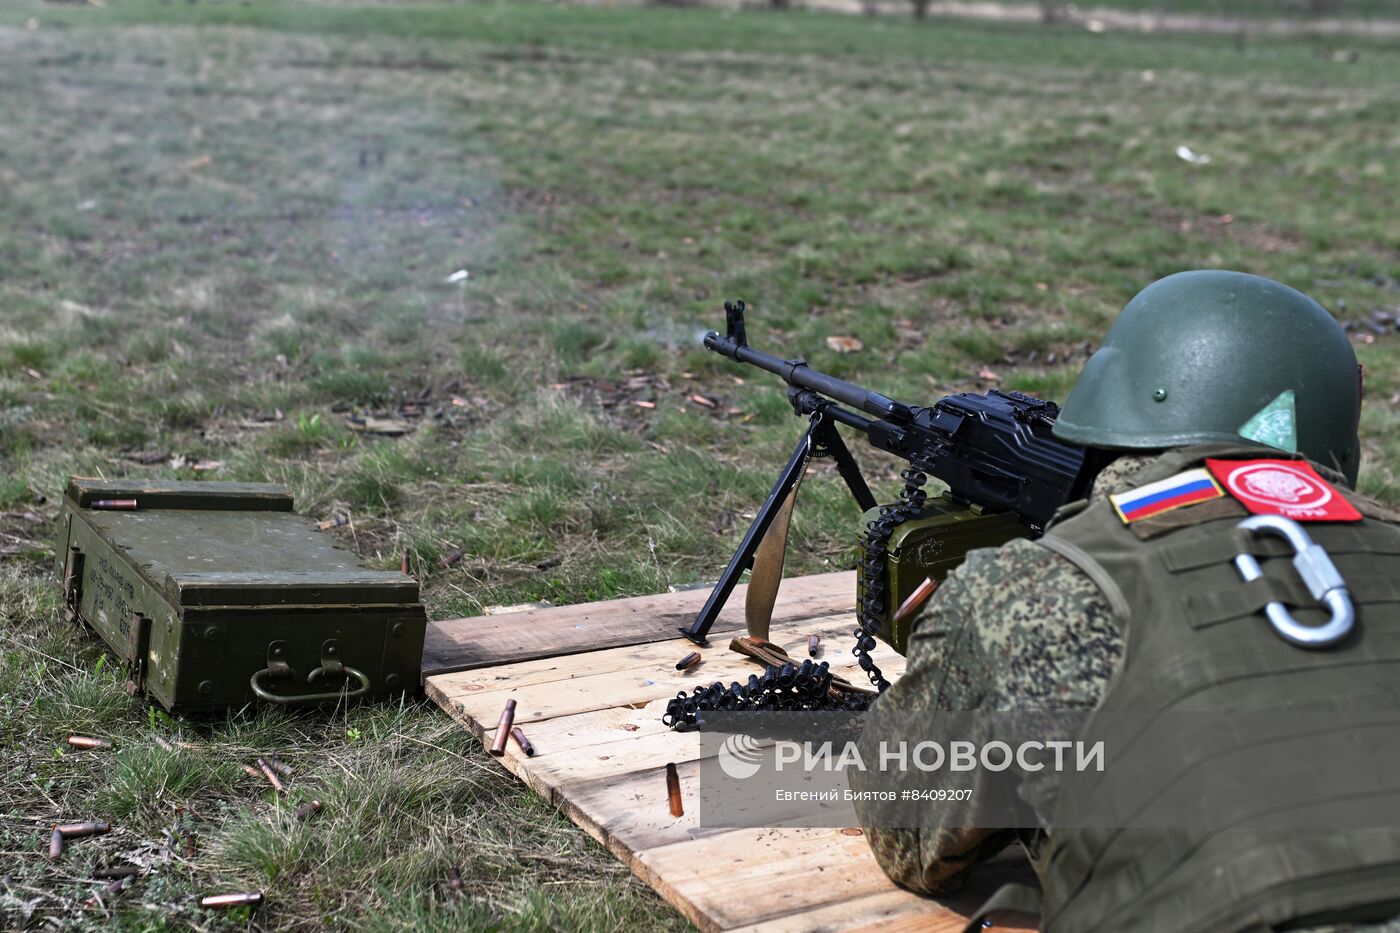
column 1014, row 628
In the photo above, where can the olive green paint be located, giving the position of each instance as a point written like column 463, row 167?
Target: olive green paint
column 930, row 547
column 194, row 587
column 1197, row 357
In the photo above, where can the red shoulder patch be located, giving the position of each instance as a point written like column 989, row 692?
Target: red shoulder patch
column 1291, row 488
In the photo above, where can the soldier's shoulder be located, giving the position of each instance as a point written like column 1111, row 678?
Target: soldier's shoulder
column 1021, row 587
column 1020, row 564
column 1035, row 632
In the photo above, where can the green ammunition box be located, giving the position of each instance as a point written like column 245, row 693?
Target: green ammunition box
column 218, row 594
column 929, row 547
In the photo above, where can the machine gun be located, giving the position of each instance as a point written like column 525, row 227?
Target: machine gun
column 1005, row 476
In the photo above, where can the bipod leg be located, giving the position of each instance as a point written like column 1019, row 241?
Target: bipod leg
column 743, row 557
column 826, row 437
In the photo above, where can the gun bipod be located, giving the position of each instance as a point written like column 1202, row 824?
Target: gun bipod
column 821, row 439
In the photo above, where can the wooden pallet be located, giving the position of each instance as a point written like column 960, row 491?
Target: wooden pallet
column 590, row 683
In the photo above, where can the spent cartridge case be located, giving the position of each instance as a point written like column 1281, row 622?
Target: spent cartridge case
column 673, row 790
column 271, row 775
column 689, row 661
column 79, row 830
column 916, row 600
column 230, row 901
column 87, row 741
column 507, row 722
column 113, row 505
column 110, row 891
column 812, row 642
column 56, row 845
column 525, row 744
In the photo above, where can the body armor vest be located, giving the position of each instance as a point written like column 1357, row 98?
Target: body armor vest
column 1196, row 638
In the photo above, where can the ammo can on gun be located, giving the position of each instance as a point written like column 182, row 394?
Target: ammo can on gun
column 218, row 594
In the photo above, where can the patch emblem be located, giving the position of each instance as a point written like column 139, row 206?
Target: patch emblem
column 1290, row 488
column 1275, row 424
column 1164, row 495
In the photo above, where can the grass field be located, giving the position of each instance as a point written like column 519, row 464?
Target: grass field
column 226, row 230
column 1280, row 9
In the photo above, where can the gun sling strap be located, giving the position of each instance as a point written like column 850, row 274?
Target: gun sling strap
column 767, row 573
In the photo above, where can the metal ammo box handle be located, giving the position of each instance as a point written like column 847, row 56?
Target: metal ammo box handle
column 304, row 697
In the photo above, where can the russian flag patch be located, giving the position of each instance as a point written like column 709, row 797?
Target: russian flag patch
column 1186, row 488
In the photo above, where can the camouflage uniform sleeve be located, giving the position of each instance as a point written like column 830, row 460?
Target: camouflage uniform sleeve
column 1014, row 628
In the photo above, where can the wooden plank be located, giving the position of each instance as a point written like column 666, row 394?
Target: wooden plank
column 944, row 921
column 1009, row 867
column 747, row 877
column 594, row 746
column 614, row 760
column 631, row 813
column 464, row 644
column 881, row 911
column 649, row 660
column 629, row 676
column 594, row 717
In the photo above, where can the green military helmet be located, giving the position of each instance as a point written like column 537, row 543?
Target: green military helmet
column 1206, row 356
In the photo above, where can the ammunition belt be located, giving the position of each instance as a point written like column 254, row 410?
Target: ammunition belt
column 791, row 687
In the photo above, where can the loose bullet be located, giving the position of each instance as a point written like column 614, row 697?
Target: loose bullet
column 503, row 727
column 525, row 744
column 673, row 790
column 229, row 901
column 689, row 661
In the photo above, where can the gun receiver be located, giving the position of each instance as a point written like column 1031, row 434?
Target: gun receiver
column 994, row 451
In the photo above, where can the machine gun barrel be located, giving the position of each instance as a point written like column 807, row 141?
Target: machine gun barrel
column 995, row 452
column 798, row 373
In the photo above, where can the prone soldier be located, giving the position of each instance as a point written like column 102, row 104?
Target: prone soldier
column 1217, row 397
